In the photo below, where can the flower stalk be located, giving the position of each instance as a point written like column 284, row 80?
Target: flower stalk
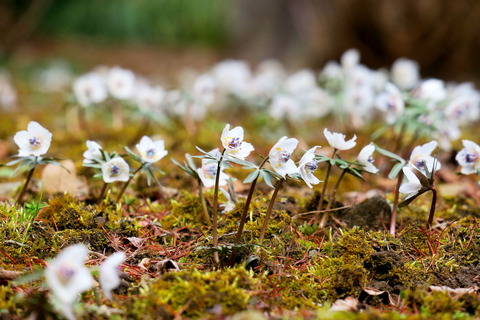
column 215, row 208
column 125, row 185
column 25, row 186
column 241, row 225
column 269, row 210
column 324, row 189
column 393, row 218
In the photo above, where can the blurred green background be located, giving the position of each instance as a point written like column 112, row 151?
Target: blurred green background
column 443, row 35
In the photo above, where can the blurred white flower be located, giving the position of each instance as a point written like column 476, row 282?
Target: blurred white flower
column 300, row 82
column 350, row 59
column 332, row 70
column 232, row 76
column 204, row 90
column 34, row 141
column 67, row 277
column 422, row 154
column 208, row 172
column 469, row 157
column 267, row 79
column 149, row 98
column 117, row 169
column 307, row 167
column 279, row 156
column 405, row 73
column 390, row 101
column 337, row 140
column 464, row 107
column 8, row 96
column 54, row 78
column 151, row 151
column 413, row 186
column 431, row 90
column 109, row 273
column 232, row 141
column 365, row 158
column 285, row 106
column 92, row 153
column 90, row 89
column 120, row 83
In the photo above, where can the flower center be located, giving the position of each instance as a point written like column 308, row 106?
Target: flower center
column 35, row 142
column 471, row 157
column 370, row 159
column 284, row 156
column 210, row 171
column 114, row 170
column 311, row 166
column 150, row 153
column 65, row 273
column 234, row 143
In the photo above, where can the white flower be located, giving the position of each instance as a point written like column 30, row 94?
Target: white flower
column 92, row 153
column 432, row 90
column 279, row 156
column 365, row 158
column 116, row 169
column 67, row 277
column 120, row 83
column 469, row 157
column 204, row 90
column 300, row 82
column 208, row 173
column 232, row 76
column 34, row 141
column 331, row 70
column 337, row 140
column 350, row 59
column 232, row 141
column 307, row 166
column 151, row 151
column 285, row 106
column 109, row 273
column 422, row 154
column 89, row 89
column 391, row 102
column 149, row 98
column 413, row 185
column 405, row 73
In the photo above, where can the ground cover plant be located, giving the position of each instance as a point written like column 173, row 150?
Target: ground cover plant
column 345, row 193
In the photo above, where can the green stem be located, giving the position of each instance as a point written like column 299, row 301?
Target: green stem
column 125, row 185
column 332, row 199
column 25, row 186
column 393, row 218
column 238, row 236
column 102, row 193
column 215, row 209
column 324, row 190
column 269, row 210
column 432, row 208
column 204, row 204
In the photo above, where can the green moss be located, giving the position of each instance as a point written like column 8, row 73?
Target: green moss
column 195, row 293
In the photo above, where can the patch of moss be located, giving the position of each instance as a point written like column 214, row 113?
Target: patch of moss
column 194, row 293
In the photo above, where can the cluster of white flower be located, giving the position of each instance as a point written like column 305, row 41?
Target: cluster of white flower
column 96, row 86
column 347, row 88
column 67, row 276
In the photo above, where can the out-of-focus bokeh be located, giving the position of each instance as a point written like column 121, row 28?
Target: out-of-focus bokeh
column 152, row 36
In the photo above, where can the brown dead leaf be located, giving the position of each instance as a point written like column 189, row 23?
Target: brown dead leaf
column 57, row 179
column 347, row 304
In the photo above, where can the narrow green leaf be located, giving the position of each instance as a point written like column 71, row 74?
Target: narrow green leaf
column 252, row 176
column 389, row 154
column 395, row 170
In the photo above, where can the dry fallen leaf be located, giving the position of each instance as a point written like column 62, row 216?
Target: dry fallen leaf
column 57, row 179
column 347, row 304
